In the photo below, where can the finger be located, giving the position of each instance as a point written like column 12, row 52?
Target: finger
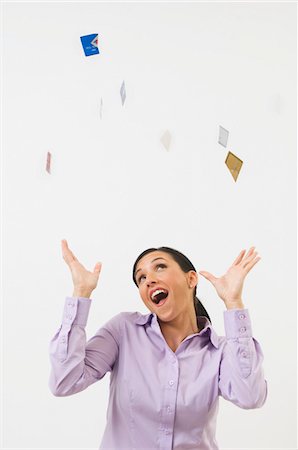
column 208, row 276
column 249, row 253
column 97, row 267
column 249, row 256
column 67, row 254
column 248, row 259
column 250, row 265
column 239, row 257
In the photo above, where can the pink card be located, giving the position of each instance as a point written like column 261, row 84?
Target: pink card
column 48, row 168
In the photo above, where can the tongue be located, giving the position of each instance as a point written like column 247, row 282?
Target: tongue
column 160, row 296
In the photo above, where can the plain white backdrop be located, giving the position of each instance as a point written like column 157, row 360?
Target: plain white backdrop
column 115, row 190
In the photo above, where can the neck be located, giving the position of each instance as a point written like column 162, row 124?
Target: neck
column 176, row 330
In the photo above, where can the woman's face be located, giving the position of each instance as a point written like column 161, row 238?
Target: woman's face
column 158, row 271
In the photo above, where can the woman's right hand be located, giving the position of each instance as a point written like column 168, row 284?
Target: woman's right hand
column 84, row 281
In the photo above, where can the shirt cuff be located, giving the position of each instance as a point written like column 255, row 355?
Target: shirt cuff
column 237, row 323
column 76, row 311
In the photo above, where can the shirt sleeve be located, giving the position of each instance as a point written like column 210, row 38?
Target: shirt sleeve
column 241, row 377
column 75, row 363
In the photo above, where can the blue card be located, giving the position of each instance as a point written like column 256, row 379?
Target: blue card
column 90, row 44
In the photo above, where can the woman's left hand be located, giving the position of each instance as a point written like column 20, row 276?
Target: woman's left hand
column 229, row 286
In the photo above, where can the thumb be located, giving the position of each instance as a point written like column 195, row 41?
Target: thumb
column 97, row 267
column 208, row 276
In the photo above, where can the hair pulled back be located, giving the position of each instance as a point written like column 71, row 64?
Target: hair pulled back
column 185, row 265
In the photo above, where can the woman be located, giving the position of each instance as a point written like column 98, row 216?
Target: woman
column 169, row 367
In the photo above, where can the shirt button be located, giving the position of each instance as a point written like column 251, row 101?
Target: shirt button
column 171, row 382
column 242, row 329
column 70, row 304
column 241, row 316
column 63, row 339
column 244, row 354
column 169, row 409
column 168, row 431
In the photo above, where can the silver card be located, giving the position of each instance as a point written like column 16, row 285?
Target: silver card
column 123, row 93
column 223, row 136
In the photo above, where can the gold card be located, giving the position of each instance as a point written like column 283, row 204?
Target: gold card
column 234, row 164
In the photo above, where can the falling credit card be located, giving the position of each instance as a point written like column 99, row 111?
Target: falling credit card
column 90, row 44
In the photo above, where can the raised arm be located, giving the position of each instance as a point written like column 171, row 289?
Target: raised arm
column 75, row 363
column 241, row 378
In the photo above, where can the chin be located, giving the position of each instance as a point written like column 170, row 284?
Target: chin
column 165, row 316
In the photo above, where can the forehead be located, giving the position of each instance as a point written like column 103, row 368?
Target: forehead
column 148, row 259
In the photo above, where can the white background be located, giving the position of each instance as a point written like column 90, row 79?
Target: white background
column 114, row 190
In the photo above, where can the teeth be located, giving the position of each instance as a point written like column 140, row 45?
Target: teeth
column 157, row 292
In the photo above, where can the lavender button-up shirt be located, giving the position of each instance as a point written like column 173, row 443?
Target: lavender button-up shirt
column 159, row 399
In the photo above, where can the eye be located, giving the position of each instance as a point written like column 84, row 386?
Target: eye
column 157, row 266
column 142, row 276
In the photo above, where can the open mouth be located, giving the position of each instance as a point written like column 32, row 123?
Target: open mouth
column 159, row 297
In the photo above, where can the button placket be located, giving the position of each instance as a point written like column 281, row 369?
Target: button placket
column 170, row 383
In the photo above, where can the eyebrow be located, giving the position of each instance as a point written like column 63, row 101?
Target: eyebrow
column 152, row 262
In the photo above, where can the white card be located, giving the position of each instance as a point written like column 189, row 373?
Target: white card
column 166, row 140
column 100, row 111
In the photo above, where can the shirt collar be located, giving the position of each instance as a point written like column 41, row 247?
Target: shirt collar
column 203, row 322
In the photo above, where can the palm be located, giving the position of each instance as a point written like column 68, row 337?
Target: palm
column 229, row 286
column 82, row 276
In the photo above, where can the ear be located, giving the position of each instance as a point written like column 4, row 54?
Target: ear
column 192, row 278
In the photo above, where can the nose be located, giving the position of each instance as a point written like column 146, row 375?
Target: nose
column 151, row 279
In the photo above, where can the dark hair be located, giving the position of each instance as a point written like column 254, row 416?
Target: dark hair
column 185, row 265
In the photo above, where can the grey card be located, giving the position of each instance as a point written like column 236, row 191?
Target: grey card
column 123, row 93
column 223, row 136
